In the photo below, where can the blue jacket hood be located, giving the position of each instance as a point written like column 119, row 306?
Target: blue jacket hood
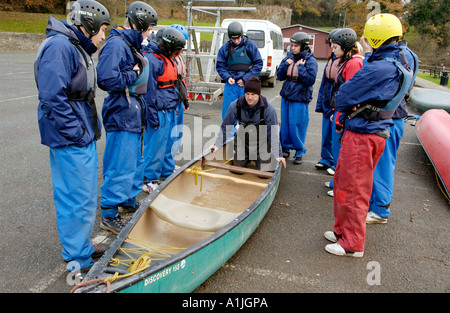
column 132, row 36
column 55, row 27
column 389, row 51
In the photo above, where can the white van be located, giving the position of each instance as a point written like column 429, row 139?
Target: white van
column 269, row 39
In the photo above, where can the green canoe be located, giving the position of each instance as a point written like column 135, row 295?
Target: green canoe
column 186, row 229
column 424, row 99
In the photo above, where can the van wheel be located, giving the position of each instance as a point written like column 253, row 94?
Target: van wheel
column 271, row 82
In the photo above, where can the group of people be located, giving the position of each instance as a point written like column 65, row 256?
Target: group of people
column 361, row 99
column 142, row 113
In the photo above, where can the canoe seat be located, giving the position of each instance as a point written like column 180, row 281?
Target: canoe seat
column 189, row 215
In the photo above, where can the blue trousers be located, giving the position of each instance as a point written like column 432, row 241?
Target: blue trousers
column 122, row 171
column 326, row 153
column 174, row 142
column 75, row 187
column 157, row 143
column 230, row 93
column 383, row 177
column 294, row 125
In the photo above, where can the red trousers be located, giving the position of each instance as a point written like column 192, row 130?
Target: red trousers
column 352, row 187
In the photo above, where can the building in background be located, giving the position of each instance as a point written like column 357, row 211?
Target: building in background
column 318, row 39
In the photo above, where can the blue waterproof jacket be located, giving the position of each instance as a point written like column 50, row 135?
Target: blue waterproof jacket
column 252, row 52
column 302, row 89
column 115, row 74
column 406, row 60
column 158, row 99
column 62, row 122
column 378, row 80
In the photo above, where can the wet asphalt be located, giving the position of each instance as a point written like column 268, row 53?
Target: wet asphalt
column 409, row 254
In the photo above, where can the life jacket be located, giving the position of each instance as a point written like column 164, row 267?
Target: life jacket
column 83, row 84
column 414, row 67
column 375, row 110
column 170, row 75
column 292, row 71
column 332, row 68
column 181, row 82
column 139, row 86
column 239, row 59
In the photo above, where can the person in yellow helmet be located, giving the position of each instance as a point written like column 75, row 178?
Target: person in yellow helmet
column 367, row 103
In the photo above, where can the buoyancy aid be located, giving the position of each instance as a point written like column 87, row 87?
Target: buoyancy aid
column 376, row 110
column 414, row 67
column 181, row 81
column 170, row 75
column 292, row 71
column 238, row 60
column 332, row 69
column 83, row 84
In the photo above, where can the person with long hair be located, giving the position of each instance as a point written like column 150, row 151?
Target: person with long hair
column 323, row 106
column 349, row 53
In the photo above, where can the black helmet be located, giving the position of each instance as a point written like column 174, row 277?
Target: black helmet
column 172, row 39
column 142, row 15
column 330, row 35
column 235, row 30
column 300, row 38
column 159, row 34
column 346, row 38
column 90, row 14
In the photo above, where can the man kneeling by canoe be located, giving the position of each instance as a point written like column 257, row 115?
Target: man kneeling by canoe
column 257, row 131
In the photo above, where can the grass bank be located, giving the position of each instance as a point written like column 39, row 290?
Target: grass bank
column 431, row 78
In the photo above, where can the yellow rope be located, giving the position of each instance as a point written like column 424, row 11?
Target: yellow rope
column 141, row 263
column 195, row 170
column 440, row 187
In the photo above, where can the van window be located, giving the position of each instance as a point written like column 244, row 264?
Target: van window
column 277, row 40
column 257, row 36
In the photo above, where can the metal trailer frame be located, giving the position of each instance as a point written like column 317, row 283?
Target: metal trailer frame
column 203, row 87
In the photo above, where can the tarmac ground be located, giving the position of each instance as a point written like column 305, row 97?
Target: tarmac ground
column 409, row 254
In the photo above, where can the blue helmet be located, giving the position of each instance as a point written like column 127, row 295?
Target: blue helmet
column 182, row 30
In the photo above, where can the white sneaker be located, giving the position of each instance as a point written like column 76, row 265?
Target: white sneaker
column 373, row 218
column 150, row 187
column 327, row 184
column 330, row 193
column 336, row 249
column 330, row 236
column 330, row 171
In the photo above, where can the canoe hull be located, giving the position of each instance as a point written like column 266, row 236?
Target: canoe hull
column 184, row 271
column 187, row 274
column 432, row 131
column 424, row 99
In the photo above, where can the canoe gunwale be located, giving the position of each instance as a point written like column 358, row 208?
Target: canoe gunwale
column 98, row 269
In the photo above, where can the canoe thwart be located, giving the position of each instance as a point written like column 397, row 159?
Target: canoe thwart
column 237, row 169
column 220, row 176
column 189, row 215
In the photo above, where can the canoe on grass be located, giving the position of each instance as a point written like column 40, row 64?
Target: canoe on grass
column 424, row 99
column 433, row 131
column 186, row 229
